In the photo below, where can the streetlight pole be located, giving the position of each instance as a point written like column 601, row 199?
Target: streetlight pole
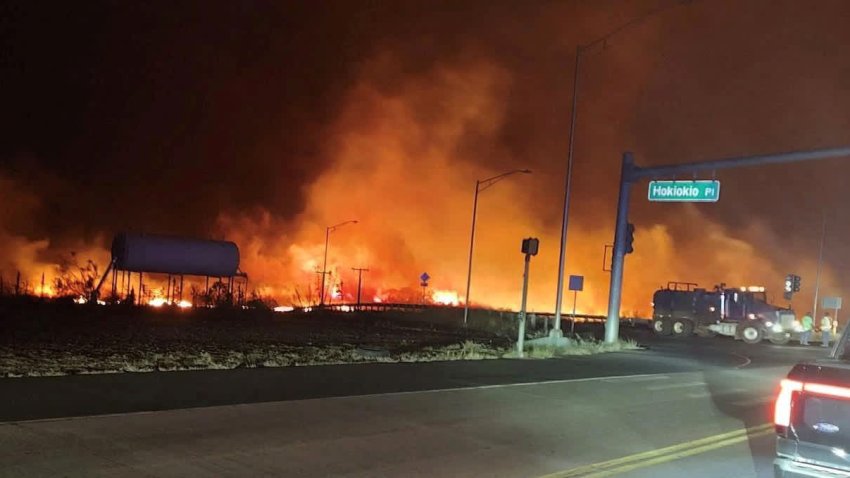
column 562, row 257
column 328, row 231
column 480, row 185
column 820, row 265
column 471, row 244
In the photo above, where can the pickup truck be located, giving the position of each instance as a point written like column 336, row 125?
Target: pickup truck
column 812, row 417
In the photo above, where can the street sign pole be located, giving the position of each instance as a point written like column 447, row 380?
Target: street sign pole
column 424, row 278
column 576, row 285
column 573, row 324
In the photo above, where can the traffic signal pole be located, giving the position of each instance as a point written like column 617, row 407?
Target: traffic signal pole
column 631, row 173
column 612, row 324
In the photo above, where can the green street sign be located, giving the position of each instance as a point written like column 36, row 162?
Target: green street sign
column 684, row 191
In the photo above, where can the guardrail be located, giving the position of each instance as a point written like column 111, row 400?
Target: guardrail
column 389, row 307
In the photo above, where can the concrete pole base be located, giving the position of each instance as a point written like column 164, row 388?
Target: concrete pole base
column 553, row 340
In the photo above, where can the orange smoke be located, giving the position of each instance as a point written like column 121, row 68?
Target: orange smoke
column 403, row 157
column 402, row 165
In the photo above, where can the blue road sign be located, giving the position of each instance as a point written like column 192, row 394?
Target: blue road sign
column 577, row 283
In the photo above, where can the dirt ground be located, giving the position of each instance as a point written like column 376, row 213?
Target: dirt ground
column 45, row 338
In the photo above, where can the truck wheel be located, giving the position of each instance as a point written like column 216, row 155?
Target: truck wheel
column 781, row 338
column 662, row 326
column 682, row 328
column 751, row 334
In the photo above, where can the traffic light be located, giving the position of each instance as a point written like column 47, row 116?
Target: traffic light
column 792, row 284
column 530, row 246
column 630, row 238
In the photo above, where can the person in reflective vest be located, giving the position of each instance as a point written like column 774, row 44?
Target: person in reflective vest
column 826, row 329
column 807, row 323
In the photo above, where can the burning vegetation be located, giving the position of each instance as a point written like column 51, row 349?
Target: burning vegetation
column 392, row 127
column 402, row 165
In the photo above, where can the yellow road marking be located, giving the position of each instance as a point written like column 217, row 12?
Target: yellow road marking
column 661, row 455
column 675, row 456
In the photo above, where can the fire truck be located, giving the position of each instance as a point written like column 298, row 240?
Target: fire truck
column 682, row 309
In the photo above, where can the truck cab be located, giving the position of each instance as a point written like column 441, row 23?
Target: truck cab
column 812, row 417
column 683, row 308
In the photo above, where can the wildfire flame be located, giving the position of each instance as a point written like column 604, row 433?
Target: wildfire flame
column 162, row 301
column 402, row 160
column 445, row 297
column 157, row 302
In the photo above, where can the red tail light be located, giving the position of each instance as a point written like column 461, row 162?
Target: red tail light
column 830, row 390
column 782, row 412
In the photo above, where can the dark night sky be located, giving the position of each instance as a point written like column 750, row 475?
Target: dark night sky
column 162, row 115
column 175, row 111
column 161, row 108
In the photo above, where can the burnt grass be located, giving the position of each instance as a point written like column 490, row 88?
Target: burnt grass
column 55, row 337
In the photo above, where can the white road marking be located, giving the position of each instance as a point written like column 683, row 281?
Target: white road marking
column 676, row 385
column 611, row 378
column 638, row 378
column 510, row 385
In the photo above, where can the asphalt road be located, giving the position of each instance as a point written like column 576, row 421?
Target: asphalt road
column 695, row 407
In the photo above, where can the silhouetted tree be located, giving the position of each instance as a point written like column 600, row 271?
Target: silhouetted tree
column 74, row 279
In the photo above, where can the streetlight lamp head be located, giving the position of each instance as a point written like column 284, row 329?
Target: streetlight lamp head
column 525, row 171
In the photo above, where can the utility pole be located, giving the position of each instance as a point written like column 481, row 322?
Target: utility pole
column 360, row 272
column 820, row 265
column 321, row 282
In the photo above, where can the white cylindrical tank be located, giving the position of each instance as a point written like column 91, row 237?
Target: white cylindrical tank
column 175, row 255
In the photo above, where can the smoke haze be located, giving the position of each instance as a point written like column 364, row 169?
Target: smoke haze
column 266, row 122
